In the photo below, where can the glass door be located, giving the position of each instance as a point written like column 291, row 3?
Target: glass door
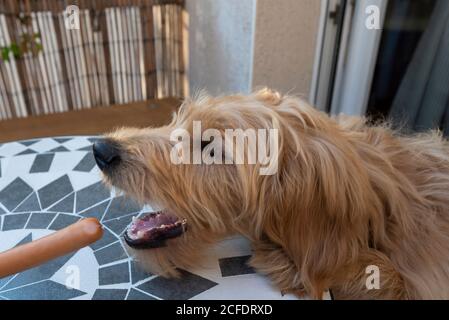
column 399, row 71
column 411, row 78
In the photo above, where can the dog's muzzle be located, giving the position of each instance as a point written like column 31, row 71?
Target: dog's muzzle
column 106, row 154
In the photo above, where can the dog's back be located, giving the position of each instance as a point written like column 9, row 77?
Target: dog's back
column 411, row 177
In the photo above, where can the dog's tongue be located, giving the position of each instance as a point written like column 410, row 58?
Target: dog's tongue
column 152, row 229
column 151, row 221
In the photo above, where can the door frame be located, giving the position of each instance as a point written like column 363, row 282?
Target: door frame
column 343, row 78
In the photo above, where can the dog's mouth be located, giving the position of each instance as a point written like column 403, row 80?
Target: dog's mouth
column 153, row 229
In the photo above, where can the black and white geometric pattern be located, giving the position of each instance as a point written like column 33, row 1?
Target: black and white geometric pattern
column 48, row 184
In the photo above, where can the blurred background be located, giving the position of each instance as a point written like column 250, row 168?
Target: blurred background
column 85, row 67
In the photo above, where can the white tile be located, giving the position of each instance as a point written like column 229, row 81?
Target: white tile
column 248, row 287
column 77, row 143
column 19, row 165
column 83, row 179
column 10, row 238
column 209, row 267
column 41, row 179
column 44, row 145
column 84, row 264
column 233, row 247
column 66, row 161
column 11, row 149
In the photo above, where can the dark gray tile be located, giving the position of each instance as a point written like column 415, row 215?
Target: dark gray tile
column 137, row 273
column 117, row 273
column 45, row 290
column 0, row 168
column 42, row 162
column 28, row 143
column 40, row 220
column 62, row 221
column 97, row 211
column 110, row 294
column 118, row 225
column 27, row 239
column 62, row 140
column 26, row 151
column 59, row 149
column 65, row 205
column 55, row 191
column 30, row 204
column 14, row 193
column 86, row 164
column 108, row 238
column 39, row 273
column 86, row 148
column 138, row 295
column 186, row 287
column 121, row 206
column 235, row 266
column 1, row 211
column 114, row 252
column 15, row 221
column 4, row 281
column 91, row 195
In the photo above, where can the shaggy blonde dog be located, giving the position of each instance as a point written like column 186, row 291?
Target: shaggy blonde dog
column 346, row 196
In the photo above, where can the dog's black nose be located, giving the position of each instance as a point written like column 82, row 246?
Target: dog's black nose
column 106, row 153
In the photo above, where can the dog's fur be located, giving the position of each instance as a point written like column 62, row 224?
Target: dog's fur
column 347, row 195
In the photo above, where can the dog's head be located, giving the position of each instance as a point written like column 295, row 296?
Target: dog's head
column 243, row 164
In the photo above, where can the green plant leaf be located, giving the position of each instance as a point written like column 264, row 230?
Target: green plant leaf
column 5, row 53
column 15, row 49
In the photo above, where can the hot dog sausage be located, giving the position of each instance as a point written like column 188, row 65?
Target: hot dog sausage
column 62, row 242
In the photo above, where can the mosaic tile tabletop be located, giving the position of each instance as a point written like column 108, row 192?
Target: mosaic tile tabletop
column 47, row 184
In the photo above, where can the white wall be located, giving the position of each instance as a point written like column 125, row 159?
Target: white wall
column 220, row 45
column 284, row 44
column 237, row 45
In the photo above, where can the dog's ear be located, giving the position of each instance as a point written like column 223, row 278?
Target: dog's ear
column 331, row 222
column 268, row 96
column 318, row 208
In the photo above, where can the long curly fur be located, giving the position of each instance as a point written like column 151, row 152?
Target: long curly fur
column 346, row 195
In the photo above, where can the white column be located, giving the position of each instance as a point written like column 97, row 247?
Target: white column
column 220, row 45
column 239, row 45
